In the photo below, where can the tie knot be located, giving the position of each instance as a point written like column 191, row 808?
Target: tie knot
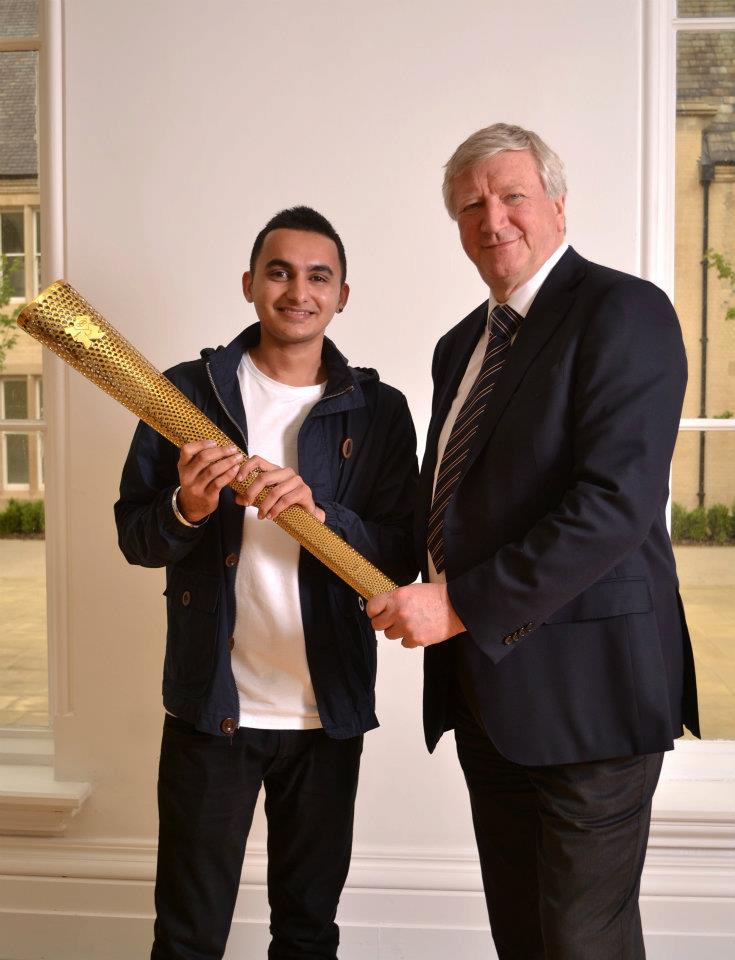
column 505, row 321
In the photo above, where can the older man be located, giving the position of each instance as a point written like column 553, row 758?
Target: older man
column 556, row 641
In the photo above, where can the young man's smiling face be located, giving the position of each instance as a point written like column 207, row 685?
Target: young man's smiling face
column 296, row 286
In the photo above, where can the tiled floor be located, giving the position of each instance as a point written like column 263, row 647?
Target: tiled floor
column 708, row 585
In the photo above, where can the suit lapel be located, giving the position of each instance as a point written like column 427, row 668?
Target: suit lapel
column 547, row 311
column 549, row 308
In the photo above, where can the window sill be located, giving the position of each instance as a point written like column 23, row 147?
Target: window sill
column 693, row 818
column 32, row 802
column 26, row 747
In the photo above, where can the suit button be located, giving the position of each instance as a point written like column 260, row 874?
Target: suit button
column 361, row 603
column 228, row 726
column 186, row 598
column 231, row 643
column 231, row 559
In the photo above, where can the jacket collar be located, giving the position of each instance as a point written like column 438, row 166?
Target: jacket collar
column 343, row 390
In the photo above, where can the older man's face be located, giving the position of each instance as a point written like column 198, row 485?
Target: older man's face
column 507, row 224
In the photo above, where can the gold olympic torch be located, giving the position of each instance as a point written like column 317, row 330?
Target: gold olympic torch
column 64, row 322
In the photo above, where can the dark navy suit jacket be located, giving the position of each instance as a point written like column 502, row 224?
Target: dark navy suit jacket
column 558, row 559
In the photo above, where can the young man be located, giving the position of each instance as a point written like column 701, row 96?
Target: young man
column 270, row 659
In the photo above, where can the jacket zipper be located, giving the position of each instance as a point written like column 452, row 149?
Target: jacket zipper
column 245, row 451
column 227, row 412
column 331, row 396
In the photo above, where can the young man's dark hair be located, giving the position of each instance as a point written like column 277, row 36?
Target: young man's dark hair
column 300, row 218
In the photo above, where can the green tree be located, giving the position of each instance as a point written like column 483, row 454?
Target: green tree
column 726, row 272
column 8, row 328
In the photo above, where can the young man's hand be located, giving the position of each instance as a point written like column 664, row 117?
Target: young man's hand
column 286, row 489
column 204, row 469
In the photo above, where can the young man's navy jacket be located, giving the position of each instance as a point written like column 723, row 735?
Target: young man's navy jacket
column 367, row 489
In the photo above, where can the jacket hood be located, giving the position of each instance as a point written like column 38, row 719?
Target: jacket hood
column 340, row 376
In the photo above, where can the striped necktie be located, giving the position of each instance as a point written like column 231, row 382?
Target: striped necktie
column 504, row 326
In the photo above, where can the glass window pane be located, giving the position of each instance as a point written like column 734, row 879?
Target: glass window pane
column 11, row 235
column 18, row 18
column 705, row 225
column 705, row 8
column 15, row 400
column 15, row 264
column 704, row 546
column 16, row 458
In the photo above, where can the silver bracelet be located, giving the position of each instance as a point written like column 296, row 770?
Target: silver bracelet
column 179, row 515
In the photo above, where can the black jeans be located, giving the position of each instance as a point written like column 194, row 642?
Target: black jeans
column 561, row 849
column 207, row 789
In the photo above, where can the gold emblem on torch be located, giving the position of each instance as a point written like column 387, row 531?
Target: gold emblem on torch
column 84, row 330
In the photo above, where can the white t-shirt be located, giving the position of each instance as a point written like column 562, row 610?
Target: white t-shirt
column 269, row 655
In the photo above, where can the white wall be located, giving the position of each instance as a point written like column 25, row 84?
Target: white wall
column 187, row 125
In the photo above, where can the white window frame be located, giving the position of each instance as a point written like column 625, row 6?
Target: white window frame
column 36, row 256
column 34, row 801
column 697, row 788
column 40, row 436
column 40, row 480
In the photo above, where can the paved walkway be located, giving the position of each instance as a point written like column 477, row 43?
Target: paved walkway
column 707, row 576
column 708, row 585
column 23, row 653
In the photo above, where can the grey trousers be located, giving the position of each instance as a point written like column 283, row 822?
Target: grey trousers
column 561, row 849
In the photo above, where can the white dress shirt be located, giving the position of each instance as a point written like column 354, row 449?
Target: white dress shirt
column 520, row 300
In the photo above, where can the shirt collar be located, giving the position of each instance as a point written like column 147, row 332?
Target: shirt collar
column 522, row 298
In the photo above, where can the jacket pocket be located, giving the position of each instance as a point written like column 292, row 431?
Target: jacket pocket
column 192, row 601
column 606, row 598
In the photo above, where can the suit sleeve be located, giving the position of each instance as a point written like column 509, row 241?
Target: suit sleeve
column 628, row 389
column 383, row 532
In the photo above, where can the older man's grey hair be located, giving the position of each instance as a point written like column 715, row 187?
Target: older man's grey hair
column 498, row 138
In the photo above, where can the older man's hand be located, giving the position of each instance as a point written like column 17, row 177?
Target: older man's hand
column 419, row 615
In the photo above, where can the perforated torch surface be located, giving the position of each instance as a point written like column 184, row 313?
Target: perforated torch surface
column 62, row 320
